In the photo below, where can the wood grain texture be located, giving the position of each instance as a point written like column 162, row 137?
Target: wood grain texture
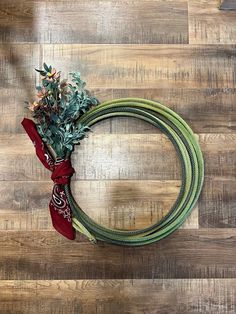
column 117, row 204
column 147, row 66
column 178, row 52
column 217, row 204
column 102, row 157
column 187, row 253
column 121, row 157
column 189, row 296
column 206, row 110
column 134, row 156
column 17, row 83
column 106, row 21
column 197, row 82
column 209, row 110
column 209, row 25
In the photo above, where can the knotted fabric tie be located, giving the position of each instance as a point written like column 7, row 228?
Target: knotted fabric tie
column 62, row 171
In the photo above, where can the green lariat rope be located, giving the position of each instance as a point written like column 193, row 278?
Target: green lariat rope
column 192, row 166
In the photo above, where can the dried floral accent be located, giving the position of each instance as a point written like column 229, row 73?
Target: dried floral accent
column 42, row 93
column 33, row 106
column 59, row 105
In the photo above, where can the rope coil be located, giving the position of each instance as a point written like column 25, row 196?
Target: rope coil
column 192, row 166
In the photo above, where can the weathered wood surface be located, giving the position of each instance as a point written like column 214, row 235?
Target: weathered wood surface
column 209, row 110
column 179, row 52
column 147, row 66
column 196, row 81
column 202, row 253
column 209, row 25
column 106, row 21
column 118, row 204
column 118, row 296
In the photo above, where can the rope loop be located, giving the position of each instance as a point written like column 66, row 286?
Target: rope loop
column 192, row 165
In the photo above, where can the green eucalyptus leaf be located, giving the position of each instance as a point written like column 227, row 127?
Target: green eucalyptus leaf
column 46, row 67
column 43, row 73
column 54, row 118
column 69, row 146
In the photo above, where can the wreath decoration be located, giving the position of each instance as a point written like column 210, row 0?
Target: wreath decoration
column 63, row 115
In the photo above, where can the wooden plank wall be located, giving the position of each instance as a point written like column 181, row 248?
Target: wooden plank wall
column 180, row 52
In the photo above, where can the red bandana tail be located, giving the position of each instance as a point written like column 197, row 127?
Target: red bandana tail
column 62, row 171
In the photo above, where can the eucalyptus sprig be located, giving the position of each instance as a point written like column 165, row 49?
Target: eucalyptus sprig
column 60, row 103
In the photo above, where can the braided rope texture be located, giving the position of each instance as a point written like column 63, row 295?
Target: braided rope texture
column 192, row 166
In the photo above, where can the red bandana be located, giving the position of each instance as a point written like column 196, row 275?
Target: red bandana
column 61, row 172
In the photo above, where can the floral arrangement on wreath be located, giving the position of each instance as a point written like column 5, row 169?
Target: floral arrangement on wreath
column 55, row 132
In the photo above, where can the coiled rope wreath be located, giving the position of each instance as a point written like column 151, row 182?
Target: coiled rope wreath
column 64, row 113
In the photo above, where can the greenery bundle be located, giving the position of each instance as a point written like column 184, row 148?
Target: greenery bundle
column 60, row 103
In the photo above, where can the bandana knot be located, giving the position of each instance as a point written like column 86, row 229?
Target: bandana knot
column 62, row 171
